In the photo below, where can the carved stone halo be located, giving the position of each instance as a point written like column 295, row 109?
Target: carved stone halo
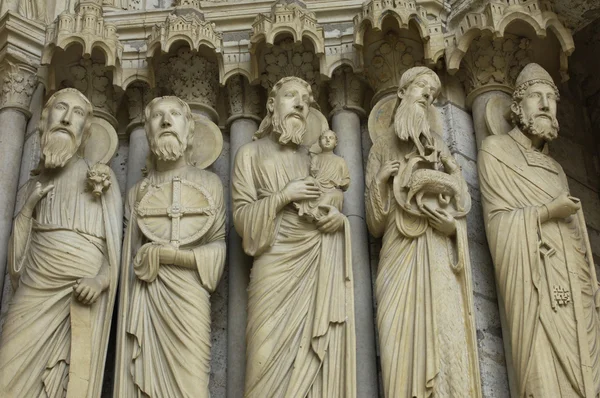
column 176, row 212
column 103, row 142
column 207, row 143
column 316, row 123
column 497, row 115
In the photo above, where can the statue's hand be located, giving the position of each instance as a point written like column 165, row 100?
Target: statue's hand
column 87, row 290
column 332, row 222
column 563, row 206
column 301, row 190
column 38, row 193
column 387, row 170
column 440, row 219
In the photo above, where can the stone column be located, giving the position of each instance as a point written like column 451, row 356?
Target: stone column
column 138, row 97
column 19, row 83
column 346, row 98
column 244, row 105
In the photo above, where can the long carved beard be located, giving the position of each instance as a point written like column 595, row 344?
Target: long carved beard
column 540, row 126
column 410, row 121
column 57, row 148
column 168, row 147
column 291, row 128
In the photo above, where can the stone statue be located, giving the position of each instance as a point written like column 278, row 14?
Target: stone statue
column 417, row 200
column 545, row 275
column 63, row 260
column 33, row 9
column 300, row 332
column 330, row 174
column 173, row 258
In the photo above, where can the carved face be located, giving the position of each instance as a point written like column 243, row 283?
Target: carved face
column 168, row 127
column 537, row 111
column 421, row 91
column 291, row 99
column 290, row 109
column 64, row 129
column 328, row 141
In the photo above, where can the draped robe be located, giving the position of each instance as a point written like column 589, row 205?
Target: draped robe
column 72, row 235
column 163, row 343
column 423, row 290
column 547, row 347
column 300, row 332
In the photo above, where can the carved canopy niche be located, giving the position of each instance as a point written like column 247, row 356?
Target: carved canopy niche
column 422, row 15
column 498, row 17
column 90, row 75
column 387, row 52
column 288, row 42
column 86, row 27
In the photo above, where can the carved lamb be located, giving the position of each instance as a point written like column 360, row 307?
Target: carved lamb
column 447, row 185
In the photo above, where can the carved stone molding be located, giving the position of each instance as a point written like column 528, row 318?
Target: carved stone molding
column 289, row 58
column 94, row 80
column 494, row 16
column 427, row 22
column 87, row 27
column 290, row 16
column 494, row 64
column 244, row 99
column 387, row 59
column 191, row 77
column 346, row 91
column 18, row 83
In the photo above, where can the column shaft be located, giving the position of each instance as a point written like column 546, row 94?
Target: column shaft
column 241, row 132
column 138, row 151
column 12, row 136
column 346, row 124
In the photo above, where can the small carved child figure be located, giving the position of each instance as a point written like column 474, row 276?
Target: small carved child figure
column 330, row 173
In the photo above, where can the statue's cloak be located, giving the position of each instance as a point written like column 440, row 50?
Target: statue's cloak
column 69, row 238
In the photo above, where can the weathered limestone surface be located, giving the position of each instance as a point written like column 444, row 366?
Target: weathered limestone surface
column 240, row 48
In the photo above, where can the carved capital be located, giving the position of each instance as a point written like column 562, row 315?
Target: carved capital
column 346, row 91
column 18, row 83
column 244, row 99
column 288, row 58
column 191, row 77
column 494, row 64
column 93, row 79
column 387, row 59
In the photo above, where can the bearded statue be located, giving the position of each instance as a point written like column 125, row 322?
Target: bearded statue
column 64, row 258
column 417, row 200
column 174, row 244
column 300, row 332
column 545, row 275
